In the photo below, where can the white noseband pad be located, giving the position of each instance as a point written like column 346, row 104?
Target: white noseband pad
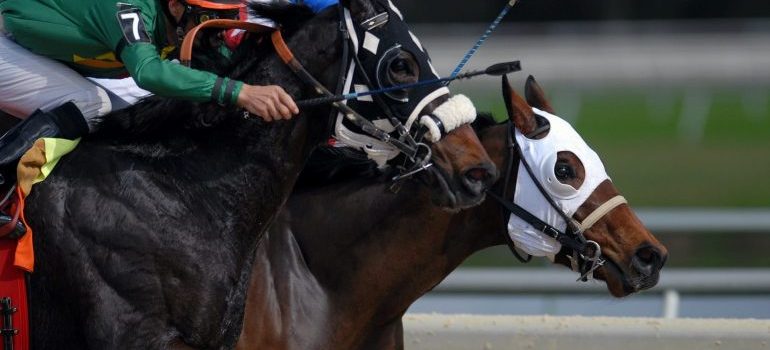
column 453, row 113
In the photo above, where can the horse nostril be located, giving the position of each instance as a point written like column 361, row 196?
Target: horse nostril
column 647, row 260
column 479, row 178
column 484, row 173
column 477, row 174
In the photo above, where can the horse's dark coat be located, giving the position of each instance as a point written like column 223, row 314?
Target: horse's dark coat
column 145, row 235
column 344, row 281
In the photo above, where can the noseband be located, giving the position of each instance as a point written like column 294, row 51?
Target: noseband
column 586, row 254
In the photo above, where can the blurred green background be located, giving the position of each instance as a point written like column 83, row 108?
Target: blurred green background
column 657, row 159
column 673, row 95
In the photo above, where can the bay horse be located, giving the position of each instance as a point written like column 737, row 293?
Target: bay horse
column 344, row 281
column 145, row 235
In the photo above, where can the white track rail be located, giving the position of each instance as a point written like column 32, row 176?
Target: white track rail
column 631, row 53
column 463, row 332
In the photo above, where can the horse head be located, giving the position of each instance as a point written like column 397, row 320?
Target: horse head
column 561, row 181
column 386, row 54
column 359, row 46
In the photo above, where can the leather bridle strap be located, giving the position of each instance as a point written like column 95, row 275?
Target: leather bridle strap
column 185, row 56
column 602, row 210
column 540, row 225
column 287, row 57
column 366, row 125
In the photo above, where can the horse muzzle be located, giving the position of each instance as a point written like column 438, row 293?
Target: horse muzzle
column 640, row 273
column 462, row 172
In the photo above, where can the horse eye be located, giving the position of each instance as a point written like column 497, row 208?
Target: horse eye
column 564, row 171
column 399, row 66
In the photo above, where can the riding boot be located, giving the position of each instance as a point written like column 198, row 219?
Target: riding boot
column 65, row 121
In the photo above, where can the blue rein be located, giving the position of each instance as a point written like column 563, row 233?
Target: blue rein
column 483, row 38
column 454, row 76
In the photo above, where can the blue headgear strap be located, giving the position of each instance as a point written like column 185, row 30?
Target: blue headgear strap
column 316, row 5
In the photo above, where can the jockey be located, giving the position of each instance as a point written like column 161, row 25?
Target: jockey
column 47, row 46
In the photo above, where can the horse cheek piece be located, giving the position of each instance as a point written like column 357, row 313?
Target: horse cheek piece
column 379, row 42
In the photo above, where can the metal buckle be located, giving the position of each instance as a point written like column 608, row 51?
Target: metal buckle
column 597, row 251
column 412, row 172
column 595, row 262
column 421, row 164
column 589, row 274
column 551, row 231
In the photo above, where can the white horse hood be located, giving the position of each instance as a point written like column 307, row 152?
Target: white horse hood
column 541, row 156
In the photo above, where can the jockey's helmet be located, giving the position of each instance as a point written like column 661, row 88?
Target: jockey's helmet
column 204, row 10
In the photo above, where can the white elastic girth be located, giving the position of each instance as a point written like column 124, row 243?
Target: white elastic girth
column 601, row 211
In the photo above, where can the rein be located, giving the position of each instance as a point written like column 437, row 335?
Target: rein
column 410, row 149
column 483, row 38
column 365, row 124
column 418, row 153
column 586, row 254
column 498, row 69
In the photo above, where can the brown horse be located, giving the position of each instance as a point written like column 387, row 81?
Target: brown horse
column 343, row 263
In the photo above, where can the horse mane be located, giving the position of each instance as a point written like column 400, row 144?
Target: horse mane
column 483, row 121
column 332, row 165
column 287, row 15
column 154, row 117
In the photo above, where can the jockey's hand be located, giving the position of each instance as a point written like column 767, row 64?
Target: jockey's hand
column 268, row 102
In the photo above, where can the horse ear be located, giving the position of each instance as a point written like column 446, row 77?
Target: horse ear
column 519, row 111
column 535, row 95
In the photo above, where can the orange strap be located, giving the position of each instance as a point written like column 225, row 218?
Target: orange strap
column 25, row 253
column 186, row 52
column 281, row 48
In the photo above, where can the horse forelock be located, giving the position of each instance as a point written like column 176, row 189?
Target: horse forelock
column 483, row 121
column 330, row 165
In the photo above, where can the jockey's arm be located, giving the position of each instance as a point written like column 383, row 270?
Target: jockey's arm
column 166, row 78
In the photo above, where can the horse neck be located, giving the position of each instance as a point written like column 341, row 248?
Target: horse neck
column 291, row 142
column 403, row 239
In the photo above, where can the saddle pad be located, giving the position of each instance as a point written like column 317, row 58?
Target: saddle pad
column 12, row 285
column 34, row 167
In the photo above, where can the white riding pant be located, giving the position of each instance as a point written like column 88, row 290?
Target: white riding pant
column 29, row 82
